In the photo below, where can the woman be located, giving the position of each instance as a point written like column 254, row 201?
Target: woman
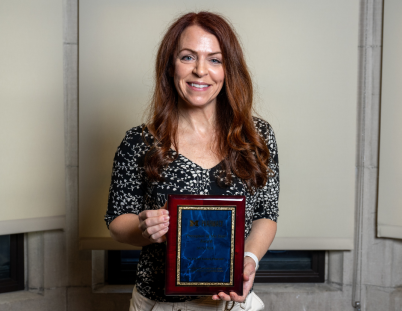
column 201, row 138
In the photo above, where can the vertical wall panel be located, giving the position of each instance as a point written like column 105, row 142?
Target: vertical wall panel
column 31, row 118
column 390, row 171
column 303, row 57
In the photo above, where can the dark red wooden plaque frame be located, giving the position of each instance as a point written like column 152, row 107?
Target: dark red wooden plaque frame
column 171, row 287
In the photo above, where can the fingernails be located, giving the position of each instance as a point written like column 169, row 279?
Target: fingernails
column 166, row 224
column 166, row 218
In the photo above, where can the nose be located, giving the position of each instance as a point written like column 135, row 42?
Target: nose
column 200, row 68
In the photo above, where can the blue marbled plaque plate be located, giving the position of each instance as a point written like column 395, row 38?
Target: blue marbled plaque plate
column 205, row 245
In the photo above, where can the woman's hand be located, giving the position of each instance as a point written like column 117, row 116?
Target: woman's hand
column 154, row 224
column 248, row 280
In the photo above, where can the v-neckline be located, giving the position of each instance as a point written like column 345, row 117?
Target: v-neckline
column 185, row 158
column 204, row 169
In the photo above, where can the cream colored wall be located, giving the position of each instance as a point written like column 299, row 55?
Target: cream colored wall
column 31, row 118
column 390, row 173
column 303, row 57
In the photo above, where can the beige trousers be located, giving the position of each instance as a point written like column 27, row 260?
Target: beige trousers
column 141, row 303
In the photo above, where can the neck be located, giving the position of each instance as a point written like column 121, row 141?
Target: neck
column 197, row 119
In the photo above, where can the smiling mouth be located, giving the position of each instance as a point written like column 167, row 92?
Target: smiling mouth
column 198, row 86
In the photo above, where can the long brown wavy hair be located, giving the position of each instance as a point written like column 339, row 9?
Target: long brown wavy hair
column 242, row 149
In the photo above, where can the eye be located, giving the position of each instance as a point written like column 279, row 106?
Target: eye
column 216, row 61
column 187, row 58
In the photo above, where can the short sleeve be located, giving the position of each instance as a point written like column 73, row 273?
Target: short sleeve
column 126, row 192
column 268, row 196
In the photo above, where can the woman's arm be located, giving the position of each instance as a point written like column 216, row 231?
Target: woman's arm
column 263, row 229
column 127, row 221
column 148, row 227
column 261, row 236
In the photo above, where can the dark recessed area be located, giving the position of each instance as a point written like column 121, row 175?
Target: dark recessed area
column 11, row 263
column 275, row 267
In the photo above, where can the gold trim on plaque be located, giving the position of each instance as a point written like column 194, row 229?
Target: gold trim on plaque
column 205, row 207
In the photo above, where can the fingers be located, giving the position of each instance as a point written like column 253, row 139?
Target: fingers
column 157, row 237
column 221, row 296
column 232, row 297
column 237, row 298
column 154, row 224
column 154, row 221
column 159, row 240
column 155, row 232
column 152, row 213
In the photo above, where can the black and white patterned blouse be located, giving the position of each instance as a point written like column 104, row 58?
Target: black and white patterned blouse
column 132, row 192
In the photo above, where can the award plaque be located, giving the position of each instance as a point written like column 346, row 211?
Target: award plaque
column 205, row 245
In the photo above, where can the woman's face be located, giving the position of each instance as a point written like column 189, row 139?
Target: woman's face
column 198, row 68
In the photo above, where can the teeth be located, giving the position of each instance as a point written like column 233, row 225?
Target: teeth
column 200, row 86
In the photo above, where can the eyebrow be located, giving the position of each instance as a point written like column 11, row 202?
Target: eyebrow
column 192, row 51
